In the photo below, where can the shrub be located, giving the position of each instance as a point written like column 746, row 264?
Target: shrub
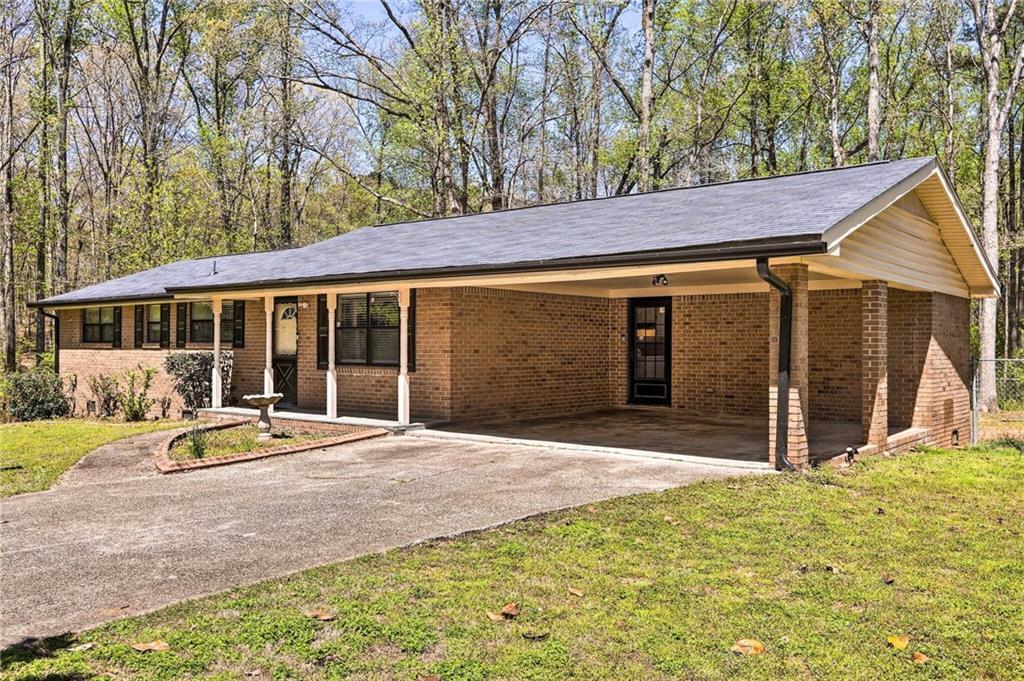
column 106, row 390
column 191, row 373
column 196, row 443
column 36, row 394
column 135, row 400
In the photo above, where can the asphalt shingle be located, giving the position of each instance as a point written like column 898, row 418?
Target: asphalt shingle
column 795, row 206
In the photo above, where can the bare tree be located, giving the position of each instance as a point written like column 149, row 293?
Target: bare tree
column 992, row 21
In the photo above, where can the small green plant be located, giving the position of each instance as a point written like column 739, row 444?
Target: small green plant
column 35, row 395
column 135, row 400
column 106, row 390
column 196, row 442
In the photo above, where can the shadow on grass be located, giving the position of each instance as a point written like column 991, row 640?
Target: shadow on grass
column 1004, row 442
column 31, row 649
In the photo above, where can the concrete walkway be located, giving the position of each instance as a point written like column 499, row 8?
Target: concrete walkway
column 115, row 539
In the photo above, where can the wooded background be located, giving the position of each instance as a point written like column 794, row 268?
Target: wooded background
column 137, row 132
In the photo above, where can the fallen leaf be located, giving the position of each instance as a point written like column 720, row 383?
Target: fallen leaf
column 887, row 578
column 898, row 642
column 592, row 509
column 255, row 672
column 318, row 614
column 748, row 646
column 82, row 646
column 671, row 521
column 803, row 569
column 575, row 592
column 432, row 677
column 919, row 657
column 510, row 610
column 535, row 635
column 832, row 568
column 494, row 617
column 880, row 511
column 150, row 646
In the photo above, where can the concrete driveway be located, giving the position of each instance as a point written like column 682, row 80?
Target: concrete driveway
column 116, row 539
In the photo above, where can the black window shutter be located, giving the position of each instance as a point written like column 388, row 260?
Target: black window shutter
column 180, row 324
column 140, row 323
column 117, row 326
column 321, row 331
column 238, row 340
column 165, row 325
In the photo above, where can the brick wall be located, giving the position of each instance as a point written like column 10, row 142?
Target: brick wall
column 522, row 355
column 948, row 370
column 720, row 354
column 86, row 360
column 834, row 355
column 910, row 332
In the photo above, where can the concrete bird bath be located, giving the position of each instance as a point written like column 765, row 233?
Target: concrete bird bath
column 264, row 402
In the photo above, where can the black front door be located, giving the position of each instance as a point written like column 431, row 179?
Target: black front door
column 650, row 350
column 286, row 336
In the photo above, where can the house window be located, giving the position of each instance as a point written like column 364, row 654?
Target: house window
column 368, row 329
column 98, row 325
column 153, row 323
column 201, row 324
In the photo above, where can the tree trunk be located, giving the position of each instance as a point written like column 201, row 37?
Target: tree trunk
column 874, row 116
column 63, row 68
column 643, row 156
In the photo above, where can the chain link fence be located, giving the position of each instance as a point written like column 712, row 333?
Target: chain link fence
column 1008, row 418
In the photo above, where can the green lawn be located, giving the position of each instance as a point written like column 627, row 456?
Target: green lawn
column 658, row 586
column 33, row 455
column 239, row 440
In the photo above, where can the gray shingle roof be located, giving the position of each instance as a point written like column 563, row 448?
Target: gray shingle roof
column 749, row 213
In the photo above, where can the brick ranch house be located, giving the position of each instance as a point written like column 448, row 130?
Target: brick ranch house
column 665, row 321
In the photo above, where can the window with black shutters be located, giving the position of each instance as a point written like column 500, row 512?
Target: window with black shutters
column 368, row 329
column 153, row 323
column 98, row 325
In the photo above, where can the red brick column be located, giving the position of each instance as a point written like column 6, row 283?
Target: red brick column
column 796, row 277
column 874, row 296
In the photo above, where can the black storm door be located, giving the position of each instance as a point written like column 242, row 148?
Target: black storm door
column 650, row 351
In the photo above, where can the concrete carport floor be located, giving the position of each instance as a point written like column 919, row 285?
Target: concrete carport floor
column 662, row 429
column 117, row 539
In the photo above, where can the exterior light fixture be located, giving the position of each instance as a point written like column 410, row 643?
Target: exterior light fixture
column 659, row 280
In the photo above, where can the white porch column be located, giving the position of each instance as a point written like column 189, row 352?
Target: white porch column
column 268, row 367
column 216, row 383
column 403, row 356
column 332, row 380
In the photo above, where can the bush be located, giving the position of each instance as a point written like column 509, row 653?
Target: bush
column 135, row 400
column 106, row 390
column 36, row 394
column 191, row 373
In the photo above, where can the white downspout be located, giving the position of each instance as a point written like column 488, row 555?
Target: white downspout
column 268, row 368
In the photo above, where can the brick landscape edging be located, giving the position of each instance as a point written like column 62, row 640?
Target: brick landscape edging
column 165, row 464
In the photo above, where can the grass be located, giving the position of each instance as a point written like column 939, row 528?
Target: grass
column 33, row 455
column 664, row 585
column 240, row 439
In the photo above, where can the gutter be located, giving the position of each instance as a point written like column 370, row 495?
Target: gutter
column 56, row 336
column 785, row 354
